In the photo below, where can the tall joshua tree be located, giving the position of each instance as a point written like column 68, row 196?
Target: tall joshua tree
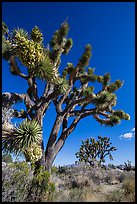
column 70, row 92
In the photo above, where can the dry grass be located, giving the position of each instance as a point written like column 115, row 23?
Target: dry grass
column 95, row 185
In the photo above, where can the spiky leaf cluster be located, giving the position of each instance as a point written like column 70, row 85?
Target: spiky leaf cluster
column 59, row 35
column 90, row 77
column 114, row 86
column 100, row 79
column 68, row 70
column 4, row 28
column 84, row 60
column 121, row 114
column 60, row 44
column 88, row 91
column 106, row 79
column 104, row 99
column 68, row 45
column 22, row 137
column 92, row 149
column 61, row 85
column 32, row 55
column 6, row 45
column 44, row 70
column 113, row 120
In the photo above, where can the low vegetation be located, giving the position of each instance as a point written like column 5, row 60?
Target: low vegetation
column 76, row 183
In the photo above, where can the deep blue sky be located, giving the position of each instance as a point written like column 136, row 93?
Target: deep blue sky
column 110, row 29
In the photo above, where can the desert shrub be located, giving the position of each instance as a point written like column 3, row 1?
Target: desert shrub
column 110, row 178
column 54, row 169
column 80, row 182
column 115, row 196
column 125, row 194
column 41, row 188
column 20, row 185
column 76, row 195
column 129, row 189
column 16, row 180
column 121, row 177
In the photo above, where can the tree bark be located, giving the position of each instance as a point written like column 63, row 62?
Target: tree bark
column 50, row 155
column 50, row 152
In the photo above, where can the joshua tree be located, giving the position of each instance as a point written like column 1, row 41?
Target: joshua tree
column 127, row 166
column 91, row 149
column 70, row 92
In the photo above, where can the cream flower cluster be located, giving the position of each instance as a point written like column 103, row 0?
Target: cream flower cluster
column 34, row 153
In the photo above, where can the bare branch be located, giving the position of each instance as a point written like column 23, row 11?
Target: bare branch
column 100, row 120
column 46, row 90
column 10, row 98
column 32, row 90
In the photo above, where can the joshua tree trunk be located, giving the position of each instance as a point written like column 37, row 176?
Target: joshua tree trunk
column 51, row 153
column 51, row 149
column 49, row 158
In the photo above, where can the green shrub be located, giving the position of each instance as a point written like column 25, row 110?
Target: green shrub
column 19, row 184
column 54, row 169
column 41, row 188
column 16, row 179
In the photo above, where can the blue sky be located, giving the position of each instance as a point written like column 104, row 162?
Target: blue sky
column 110, row 28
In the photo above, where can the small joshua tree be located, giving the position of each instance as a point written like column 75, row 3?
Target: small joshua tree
column 91, row 149
column 127, row 165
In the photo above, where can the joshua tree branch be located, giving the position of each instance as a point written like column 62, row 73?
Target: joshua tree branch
column 10, row 98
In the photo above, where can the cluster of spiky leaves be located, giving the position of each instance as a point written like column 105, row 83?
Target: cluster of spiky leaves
column 29, row 50
column 60, row 44
column 5, row 42
column 59, row 35
column 104, row 100
column 92, row 149
column 84, row 60
column 22, row 137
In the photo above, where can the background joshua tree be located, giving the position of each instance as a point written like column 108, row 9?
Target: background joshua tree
column 92, row 149
column 127, row 166
column 70, row 92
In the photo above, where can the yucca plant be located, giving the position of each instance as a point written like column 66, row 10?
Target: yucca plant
column 22, row 137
